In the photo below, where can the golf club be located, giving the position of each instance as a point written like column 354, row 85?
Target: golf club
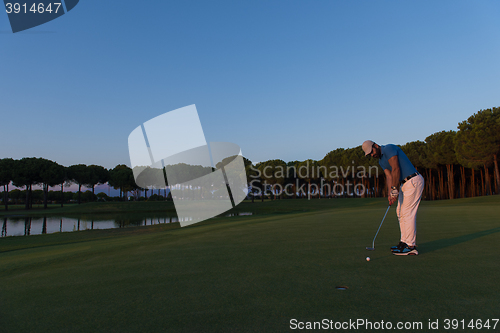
column 373, row 244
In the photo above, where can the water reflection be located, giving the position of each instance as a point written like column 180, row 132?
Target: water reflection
column 44, row 226
column 4, row 227
column 26, row 225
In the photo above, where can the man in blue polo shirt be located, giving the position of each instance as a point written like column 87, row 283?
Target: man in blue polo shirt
column 404, row 184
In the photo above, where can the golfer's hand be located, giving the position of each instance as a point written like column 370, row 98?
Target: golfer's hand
column 392, row 200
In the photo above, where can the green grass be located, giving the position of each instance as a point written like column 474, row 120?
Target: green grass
column 92, row 208
column 138, row 210
column 256, row 273
column 167, row 207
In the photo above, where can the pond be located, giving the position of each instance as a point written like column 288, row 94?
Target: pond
column 27, row 225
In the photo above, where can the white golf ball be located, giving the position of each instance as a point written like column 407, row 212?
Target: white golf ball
column 367, row 258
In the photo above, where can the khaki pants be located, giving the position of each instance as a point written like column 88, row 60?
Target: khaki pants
column 408, row 201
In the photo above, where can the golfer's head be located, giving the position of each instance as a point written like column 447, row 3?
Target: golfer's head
column 371, row 149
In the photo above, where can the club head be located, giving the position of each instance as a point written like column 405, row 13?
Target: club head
column 370, row 248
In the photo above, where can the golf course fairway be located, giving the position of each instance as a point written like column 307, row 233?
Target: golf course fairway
column 269, row 272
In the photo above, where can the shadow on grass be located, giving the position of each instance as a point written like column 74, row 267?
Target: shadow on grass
column 443, row 243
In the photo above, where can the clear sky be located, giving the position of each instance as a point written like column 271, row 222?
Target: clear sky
column 282, row 79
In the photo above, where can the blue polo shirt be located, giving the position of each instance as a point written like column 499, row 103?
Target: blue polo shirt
column 405, row 166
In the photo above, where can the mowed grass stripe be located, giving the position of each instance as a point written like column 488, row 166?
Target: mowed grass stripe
column 256, row 273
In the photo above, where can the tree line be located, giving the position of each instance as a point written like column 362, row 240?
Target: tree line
column 455, row 164
column 29, row 171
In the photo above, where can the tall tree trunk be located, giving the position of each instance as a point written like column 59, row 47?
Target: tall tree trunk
column 497, row 174
column 428, row 182
column 363, row 182
column 377, row 186
column 445, row 186
column 483, row 192
column 441, row 183
column 451, row 181
column 459, row 191
column 473, row 183
column 45, row 194
column 6, row 196
column 427, row 187
column 495, row 181
column 487, row 180
column 369, row 192
column 62, row 195
column 343, row 188
column 462, row 183
column 31, row 196
column 353, row 187
column 79, row 193
column 432, row 189
column 27, row 202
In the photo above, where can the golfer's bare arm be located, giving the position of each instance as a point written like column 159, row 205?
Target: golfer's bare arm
column 392, row 176
column 388, row 178
column 393, row 161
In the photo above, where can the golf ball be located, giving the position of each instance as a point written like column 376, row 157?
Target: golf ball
column 367, row 258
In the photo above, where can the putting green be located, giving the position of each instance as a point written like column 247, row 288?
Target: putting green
column 257, row 273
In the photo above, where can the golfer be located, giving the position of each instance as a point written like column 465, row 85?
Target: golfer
column 404, row 184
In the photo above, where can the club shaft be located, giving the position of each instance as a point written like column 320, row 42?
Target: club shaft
column 373, row 243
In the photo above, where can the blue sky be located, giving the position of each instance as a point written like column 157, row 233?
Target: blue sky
column 282, row 79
